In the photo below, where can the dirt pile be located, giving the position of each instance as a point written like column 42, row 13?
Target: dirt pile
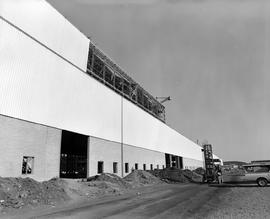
column 141, row 178
column 107, row 179
column 199, row 171
column 193, row 176
column 19, row 192
column 99, row 185
column 177, row 175
column 170, row 175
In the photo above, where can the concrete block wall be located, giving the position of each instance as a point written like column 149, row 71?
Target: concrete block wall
column 109, row 152
column 106, row 151
column 142, row 156
column 19, row 138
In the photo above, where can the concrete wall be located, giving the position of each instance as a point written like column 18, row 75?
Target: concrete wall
column 106, row 151
column 142, row 156
column 109, row 152
column 19, row 138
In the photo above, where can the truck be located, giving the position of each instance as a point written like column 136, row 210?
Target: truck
column 250, row 173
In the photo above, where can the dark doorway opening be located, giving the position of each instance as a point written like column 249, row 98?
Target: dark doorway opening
column 181, row 163
column 73, row 163
column 168, row 160
column 173, row 161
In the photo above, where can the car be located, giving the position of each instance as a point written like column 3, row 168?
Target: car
column 250, row 173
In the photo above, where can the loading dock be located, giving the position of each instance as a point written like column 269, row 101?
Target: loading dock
column 73, row 161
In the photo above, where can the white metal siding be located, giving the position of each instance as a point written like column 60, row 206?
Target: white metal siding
column 40, row 20
column 143, row 130
column 38, row 86
column 191, row 163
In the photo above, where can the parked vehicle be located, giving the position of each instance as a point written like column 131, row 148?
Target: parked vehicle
column 250, row 173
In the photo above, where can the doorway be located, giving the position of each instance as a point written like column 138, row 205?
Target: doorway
column 73, row 163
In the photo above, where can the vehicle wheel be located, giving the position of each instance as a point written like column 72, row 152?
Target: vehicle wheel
column 262, row 182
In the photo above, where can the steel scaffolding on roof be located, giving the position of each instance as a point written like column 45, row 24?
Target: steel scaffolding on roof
column 107, row 72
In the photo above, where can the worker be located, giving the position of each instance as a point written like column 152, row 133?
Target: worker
column 219, row 175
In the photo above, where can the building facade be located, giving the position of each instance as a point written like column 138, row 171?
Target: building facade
column 67, row 110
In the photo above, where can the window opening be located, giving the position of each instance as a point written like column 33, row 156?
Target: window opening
column 100, row 166
column 115, row 167
column 126, row 168
column 27, row 165
column 144, row 166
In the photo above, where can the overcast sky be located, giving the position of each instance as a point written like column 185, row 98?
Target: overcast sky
column 210, row 56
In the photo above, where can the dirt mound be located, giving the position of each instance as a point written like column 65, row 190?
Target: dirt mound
column 199, row 171
column 140, row 177
column 19, row 192
column 171, row 175
column 176, row 175
column 109, row 178
column 192, row 176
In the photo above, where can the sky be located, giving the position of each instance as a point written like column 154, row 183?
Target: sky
column 210, row 56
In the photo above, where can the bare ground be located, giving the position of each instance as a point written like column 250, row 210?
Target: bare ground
column 242, row 201
column 139, row 195
column 168, row 201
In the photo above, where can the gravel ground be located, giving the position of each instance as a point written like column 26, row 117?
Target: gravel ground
column 242, row 201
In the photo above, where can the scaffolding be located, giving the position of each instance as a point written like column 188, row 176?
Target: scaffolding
column 209, row 162
column 107, row 72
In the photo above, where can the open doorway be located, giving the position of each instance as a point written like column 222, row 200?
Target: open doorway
column 73, row 163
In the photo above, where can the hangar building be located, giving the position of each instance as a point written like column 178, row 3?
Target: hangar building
column 67, row 110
